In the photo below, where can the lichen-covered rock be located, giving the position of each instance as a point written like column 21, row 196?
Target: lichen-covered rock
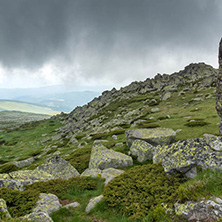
column 91, row 173
column 185, row 155
column 3, row 209
column 110, row 173
column 165, row 96
column 4, row 176
column 47, row 203
column 142, row 150
column 24, row 163
column 157, row 136
column 58, row 168
column 14, row 184
column 38, row 217
column 103, row 158
column 33, row 175
column 92, row 203
column 205, row 211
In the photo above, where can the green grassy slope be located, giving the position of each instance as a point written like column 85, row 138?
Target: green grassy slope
column 189, row 116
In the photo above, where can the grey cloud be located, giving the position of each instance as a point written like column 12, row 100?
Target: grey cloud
column 105, row 35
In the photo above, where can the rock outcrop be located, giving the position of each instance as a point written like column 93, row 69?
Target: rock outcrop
column 24, row 163
column 205, row 211
column 58, row 168
column 184, row 156
column 3, row 210
column 103, row 158
column 53, row 168
column 219, row 87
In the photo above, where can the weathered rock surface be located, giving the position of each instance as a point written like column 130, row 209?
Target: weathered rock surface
column 24, row 163
column 47, row 203
column 58, row 168
column 92, row 203
column 3, row 209
column 103, row 158
column 38, row 217
column 74, row 204
column 142, row 150
column 110, row 173
column 205, row 211
column 185, row 155
column 219, row 87
column 91, row 173
column 157, row 136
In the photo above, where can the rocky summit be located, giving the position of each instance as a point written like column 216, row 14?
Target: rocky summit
column 150, row 151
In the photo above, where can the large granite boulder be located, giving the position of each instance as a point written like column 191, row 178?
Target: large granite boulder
column 58, row 168
column 24, row 163
column 157, row 136
column 103, row 158
column 185, row 155
column 205, row 211
column 142, row 150
column 94, row 172
column 14, row 184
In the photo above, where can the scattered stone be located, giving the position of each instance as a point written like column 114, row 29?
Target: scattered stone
column 24, row 163
column 155, row 110
column 114, row 137
column 74, row 205
column 166, row 96
column 100, row 141
column 156, row 136
column 103, row 158
column 56, row 153
column 92, row 203
column 58, row 168
column 73, row 140
column 119, row 144
column 57, row 137
column 45, row 140
column 142, row 150
column 216, row 144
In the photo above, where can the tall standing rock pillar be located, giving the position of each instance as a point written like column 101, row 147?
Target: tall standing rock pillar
column 219, row 87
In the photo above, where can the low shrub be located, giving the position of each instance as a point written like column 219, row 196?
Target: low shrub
column 148, row 125
column 80, row 158
column 19, row 203
column 141, row 188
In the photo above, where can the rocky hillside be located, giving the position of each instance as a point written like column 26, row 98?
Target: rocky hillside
column 150, row 151
column 109, row 110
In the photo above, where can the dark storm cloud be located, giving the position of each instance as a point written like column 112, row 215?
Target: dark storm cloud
column 104, row 35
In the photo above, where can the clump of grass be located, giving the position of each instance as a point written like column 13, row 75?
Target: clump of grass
column 137, row 191
column 195, row 123
column 61, row 187
column 147, row 125
column 8, row 167
column 207, row 183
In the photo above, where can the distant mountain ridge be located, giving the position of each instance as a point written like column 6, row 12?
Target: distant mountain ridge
column 57, row 98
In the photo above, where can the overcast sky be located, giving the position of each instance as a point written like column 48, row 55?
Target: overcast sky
column 104, row 43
